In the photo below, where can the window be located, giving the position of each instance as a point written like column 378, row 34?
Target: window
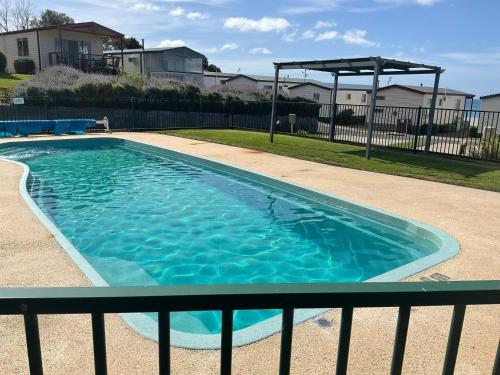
column 268, row 87
column 363, row 98
column 316, row 96
column 441, row 101
column 380, row 97
column 280, row 87
column 22, row 47
column 348, row 96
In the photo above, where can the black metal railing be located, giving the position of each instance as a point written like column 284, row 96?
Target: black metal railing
column 465, row 133
column 30, row 302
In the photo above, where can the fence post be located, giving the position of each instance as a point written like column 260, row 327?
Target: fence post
column 417, row 130
column 132, row 106
column 231, row 109
column 46, row 106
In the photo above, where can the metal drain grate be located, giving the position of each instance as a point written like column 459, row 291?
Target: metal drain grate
column 323, row 323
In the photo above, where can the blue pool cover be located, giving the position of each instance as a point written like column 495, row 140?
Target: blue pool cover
column 59, row 127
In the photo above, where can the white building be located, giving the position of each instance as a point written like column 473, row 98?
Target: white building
column 490, row 103
column 176, row 63
column 420, row 96
column 78, row 45
column 306, row 88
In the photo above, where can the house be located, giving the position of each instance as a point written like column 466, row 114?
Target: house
column 176, row 63
column 420, row 96
column 319, row 91
column 490, row 103
column 398, row 98
column 306, row 88
column 489, row 122
column 79, row 45
column 211, row 79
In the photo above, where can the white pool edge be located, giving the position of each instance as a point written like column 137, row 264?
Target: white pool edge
column 148, row 327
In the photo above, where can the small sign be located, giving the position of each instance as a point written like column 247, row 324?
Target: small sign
column 18, row 101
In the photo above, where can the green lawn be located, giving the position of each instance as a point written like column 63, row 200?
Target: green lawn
column 466, row 173
column 8, row 81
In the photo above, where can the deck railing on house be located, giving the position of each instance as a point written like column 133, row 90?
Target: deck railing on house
column 31, row 302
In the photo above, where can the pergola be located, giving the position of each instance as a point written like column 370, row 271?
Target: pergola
column 364, row 66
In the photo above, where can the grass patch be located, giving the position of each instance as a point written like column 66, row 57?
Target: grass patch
column 434, row 168
column 8, row 81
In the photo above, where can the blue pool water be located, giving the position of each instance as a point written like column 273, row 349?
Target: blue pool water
column 144, row 216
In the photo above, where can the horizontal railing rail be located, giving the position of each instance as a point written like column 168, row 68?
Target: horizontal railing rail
column 97, row 301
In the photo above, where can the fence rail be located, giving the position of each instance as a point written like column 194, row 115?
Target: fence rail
column 466, row 133
column 31, row 302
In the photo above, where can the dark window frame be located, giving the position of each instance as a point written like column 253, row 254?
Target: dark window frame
column 23, row 47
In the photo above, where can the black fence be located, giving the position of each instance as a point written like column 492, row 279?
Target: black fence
column 466, row 133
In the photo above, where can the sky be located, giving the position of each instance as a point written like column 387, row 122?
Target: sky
column 462, row 36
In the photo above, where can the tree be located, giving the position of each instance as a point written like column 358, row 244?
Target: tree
column 209, row 67
column 52, row 18
column 5, row 15
column 129, row 42
column 23, row 14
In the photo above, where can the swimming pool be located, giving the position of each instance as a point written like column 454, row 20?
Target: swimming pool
column 133, row 214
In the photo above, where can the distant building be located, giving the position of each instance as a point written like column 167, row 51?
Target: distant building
column 78, row 45
column 399, row 97
column 489, row 121
column 176, row 63
column 420, row 96
column 490, row 103
column 306, row 88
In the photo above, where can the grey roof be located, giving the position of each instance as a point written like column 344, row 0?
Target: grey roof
column 160, row 49
column 295, row 81
column 429, row 90
column 490, row 96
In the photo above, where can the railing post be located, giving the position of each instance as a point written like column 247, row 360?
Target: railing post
column 132, row 106
column 400, row 340
column 417, row 130
column 344, row 341
column 226, row 342
column 454, row 340
column 286, row 342
column 99, row 341
column 33, row 344
column 164, row 342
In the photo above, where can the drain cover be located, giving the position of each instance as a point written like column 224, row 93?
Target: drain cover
column 323, row 323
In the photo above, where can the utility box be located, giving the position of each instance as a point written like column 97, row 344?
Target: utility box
column 292, row 119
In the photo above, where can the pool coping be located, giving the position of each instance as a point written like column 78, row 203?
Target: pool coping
column 147, row 326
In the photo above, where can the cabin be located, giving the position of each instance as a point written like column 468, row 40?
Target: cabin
column 79, row 45
column 176, row 63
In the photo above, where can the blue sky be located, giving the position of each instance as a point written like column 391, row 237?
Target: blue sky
column 462, row 36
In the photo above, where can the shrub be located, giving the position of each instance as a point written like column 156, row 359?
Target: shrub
column 24, row 66
column 3, row 62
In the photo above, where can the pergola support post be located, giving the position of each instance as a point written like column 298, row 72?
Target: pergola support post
column 430, row 122
column 373, row 105
column 121, row 48
column 333, row 107
column 275, row 102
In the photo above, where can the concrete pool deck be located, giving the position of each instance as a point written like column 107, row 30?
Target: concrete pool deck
column 31, row 257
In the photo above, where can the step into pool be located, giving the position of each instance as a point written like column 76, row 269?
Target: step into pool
column 134, row 214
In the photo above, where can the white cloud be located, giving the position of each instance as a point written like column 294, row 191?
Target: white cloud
column 357, row 37
column 171, row 43
column 308, row 34
column 145, row 6
column 426, row 2
column 176, row 12
column 264, row 24
column 327, row 35
column 324, row 25
column 290, row 37
column 260, row 51
column 196, row 16
column 229, row 47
